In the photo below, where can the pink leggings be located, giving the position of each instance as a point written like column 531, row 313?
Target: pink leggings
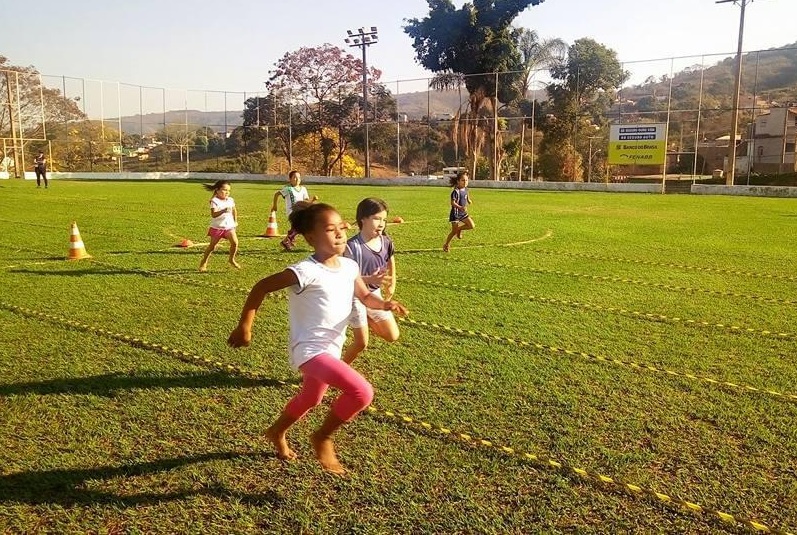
column 323, row 371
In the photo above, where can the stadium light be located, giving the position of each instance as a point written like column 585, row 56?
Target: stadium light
column 363, row 39
column 736, row 85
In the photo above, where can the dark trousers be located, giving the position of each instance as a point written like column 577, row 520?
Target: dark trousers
column 41, row 173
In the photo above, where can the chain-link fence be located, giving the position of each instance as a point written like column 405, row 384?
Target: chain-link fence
column 409, row 127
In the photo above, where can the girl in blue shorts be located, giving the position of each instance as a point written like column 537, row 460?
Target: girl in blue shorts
column 458, row 216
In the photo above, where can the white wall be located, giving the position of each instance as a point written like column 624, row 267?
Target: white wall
column 403, row 181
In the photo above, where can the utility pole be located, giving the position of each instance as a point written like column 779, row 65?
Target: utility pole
column 736, row 86
column 363, row 39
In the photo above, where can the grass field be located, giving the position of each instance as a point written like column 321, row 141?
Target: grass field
column 579, row 363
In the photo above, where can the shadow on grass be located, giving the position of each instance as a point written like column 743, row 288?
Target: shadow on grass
column 171, row 251
column 66, row 487
column 105, row 271
column 76, row 273
column 109, row 385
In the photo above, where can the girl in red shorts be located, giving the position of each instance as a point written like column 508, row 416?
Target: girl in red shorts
column 223, row 220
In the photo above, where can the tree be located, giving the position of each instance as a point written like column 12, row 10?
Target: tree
column 587, row 84
column 536, row 54
column 28, row 107
column 476, row 42
column 269, row 120
column 321, row 87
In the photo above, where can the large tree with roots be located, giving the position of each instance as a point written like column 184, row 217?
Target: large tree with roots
column 475, row 46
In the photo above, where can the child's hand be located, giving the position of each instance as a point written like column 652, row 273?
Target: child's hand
column 240, row 337
column 375, row 279
column 396, row 307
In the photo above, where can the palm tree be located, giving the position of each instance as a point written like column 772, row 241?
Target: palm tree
column 536, row 55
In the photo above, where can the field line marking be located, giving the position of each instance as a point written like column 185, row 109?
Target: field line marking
column 612, row 278
column 647, row 316
column 486, row 336
column 407, row 421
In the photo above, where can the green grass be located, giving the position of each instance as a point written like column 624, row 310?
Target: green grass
column 602, row 339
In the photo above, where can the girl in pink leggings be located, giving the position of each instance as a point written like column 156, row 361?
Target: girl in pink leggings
column 320, row 292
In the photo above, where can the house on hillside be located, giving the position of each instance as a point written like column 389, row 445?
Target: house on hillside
column 768, row 148
column 713, row 154
column 774, row 140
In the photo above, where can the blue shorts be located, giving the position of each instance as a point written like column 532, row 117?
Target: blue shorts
column 457, row 215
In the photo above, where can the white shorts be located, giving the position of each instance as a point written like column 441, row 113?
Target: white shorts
column 360, row 314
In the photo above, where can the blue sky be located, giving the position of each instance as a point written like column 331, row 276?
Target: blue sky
column 231, row 44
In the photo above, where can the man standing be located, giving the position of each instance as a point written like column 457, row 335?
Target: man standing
column 40, row 165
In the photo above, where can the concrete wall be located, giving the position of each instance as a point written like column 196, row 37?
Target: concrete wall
column 403, row 181
column 749, row 191
column 698, row 189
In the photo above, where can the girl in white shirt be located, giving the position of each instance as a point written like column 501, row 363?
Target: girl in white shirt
column 223, row 221
column 320, row 292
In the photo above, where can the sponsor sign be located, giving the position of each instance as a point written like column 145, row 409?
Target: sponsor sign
column 637, row 144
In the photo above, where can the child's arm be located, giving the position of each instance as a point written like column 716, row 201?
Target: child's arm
column 274, row 202
column 242, row 334
column 390, row 278
column 454, row 201
column 216, row 213
column 370, row 300
column 235, row 213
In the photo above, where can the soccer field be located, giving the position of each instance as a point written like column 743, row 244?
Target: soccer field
column 579, row 362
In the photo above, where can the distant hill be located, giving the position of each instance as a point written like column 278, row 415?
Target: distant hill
column 150, row 123
column 770, row 74
column 415, row 105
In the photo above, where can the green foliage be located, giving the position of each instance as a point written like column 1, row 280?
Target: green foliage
column 474, row 39
column 255, row 163
column 558, row 161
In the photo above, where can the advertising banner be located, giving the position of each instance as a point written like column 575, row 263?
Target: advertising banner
column 637, row 144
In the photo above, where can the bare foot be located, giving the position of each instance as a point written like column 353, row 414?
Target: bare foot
column 325, row 453
column 445, row 248
column 235, row 264
column 203, row 269
column 284, row 451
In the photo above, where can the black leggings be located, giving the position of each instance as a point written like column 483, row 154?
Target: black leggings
column 41, row 173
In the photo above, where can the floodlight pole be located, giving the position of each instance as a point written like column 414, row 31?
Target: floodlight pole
column 364, row 39
column 736, row 86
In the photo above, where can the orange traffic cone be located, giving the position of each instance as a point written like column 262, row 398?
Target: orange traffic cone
column 398, row 219
column 77, row 250
column 185, row 243
column 271, row 229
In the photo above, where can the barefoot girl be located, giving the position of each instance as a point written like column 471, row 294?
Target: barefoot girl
column 320, row 292
column 223, row 220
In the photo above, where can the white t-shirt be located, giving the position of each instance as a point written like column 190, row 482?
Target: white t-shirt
column 226, row 220
column 293, row 195
column 319, row 305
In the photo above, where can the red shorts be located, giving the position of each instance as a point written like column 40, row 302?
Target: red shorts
column 218, row 233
